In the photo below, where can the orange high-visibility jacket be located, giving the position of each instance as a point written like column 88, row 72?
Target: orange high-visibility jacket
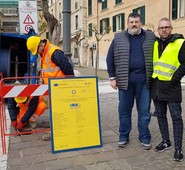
column 49, row 69
column 23, row 107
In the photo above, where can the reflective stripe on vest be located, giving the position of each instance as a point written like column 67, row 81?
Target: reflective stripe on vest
column 51, row 49
column 165, row 66
column 50, row 69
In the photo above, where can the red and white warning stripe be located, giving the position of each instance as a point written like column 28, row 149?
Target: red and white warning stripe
column 24, row 90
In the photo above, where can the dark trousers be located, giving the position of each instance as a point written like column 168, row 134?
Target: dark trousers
column 175, row 111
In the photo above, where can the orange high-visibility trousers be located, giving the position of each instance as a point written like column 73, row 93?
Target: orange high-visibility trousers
column 38, row 112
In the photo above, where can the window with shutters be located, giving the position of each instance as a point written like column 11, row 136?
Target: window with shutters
column 178, row 7
column 104, row 26
column 118, row 22
column 90, row 30
column 89, row 7
column 118, row 2
column 60, row 9
column 141, row 11
column 104, row 4
column 76, row 22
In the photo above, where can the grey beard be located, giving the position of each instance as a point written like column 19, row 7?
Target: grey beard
column 134, row 32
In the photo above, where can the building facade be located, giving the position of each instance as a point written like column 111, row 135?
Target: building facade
column 9, row 16
column 94, row 23
column 114, row 14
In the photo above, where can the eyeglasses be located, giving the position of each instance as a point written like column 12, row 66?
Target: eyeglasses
column 166, row 28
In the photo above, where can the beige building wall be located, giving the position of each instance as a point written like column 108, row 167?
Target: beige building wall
column 78, row 27
column 78, row 32
column 154, row 10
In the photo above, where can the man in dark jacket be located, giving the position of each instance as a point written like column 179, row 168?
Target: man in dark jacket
column 168, row 69
column 129, row 64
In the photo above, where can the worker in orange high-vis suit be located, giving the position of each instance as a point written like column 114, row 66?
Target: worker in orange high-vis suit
column 53, row 61
column 23, row 110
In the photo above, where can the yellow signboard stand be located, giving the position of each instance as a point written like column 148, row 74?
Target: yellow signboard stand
column 74, row 113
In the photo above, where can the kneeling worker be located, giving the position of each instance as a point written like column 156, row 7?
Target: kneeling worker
column 25, row 109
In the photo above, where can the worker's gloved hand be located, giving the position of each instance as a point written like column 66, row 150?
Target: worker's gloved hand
column 19, row 126
column 14, row 123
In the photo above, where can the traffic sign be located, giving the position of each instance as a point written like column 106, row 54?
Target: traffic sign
column 28, row 16
column 28, row 20
column 28, row 27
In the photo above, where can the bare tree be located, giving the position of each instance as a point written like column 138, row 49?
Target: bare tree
column 105, row 29
column 77, row 40
column 42, row 25
column 52, row 23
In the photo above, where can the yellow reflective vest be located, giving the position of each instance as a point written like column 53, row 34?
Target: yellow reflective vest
column 165, row 66
column 50, row 69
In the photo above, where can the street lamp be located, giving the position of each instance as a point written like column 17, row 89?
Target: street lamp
column 67, row 28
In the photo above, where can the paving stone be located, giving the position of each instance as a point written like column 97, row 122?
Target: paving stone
column 33, row 150
column 18, row 161
column 107, row 147
column 89, row 151
column 99, row 166
column 62, row 155
column 84, row 160
column 108, row 133
column 127, row 152
column 137, row 161
column 78, row 168
column 121, row 164
column 109, row 139
column 106, row 156
column 29, row 152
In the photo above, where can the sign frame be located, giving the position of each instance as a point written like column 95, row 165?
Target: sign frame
column 28, row 16
column 76, row 101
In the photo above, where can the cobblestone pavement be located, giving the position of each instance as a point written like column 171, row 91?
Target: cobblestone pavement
column 30, row 152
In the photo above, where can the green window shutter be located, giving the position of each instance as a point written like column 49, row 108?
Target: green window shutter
column 104, row 4
column 114, row 24
column 143, row 14
column 174, row 9
column 107, row 25
column 134, row 10
column 90, row 30
column 141, row 11
column 89, row 7
column 122, row 21
column 47, row 35
column 101, row 26
column 118, row 1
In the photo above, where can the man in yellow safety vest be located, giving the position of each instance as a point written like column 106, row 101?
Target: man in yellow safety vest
column 168, row 69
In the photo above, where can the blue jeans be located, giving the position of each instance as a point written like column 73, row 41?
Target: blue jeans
column 137, row 89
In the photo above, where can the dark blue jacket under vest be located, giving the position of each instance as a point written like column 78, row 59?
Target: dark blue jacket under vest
column 131, row 57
